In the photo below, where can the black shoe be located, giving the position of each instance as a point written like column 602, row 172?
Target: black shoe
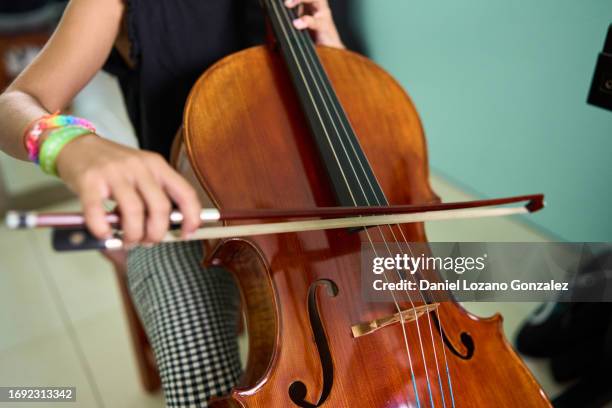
column 579, row 361
column 590, row 392
column 556, row 327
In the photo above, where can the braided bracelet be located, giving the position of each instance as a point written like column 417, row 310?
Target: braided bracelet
column 35, row 130
column 54, row 144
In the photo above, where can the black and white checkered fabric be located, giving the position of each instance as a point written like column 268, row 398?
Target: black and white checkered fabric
column 190, row 315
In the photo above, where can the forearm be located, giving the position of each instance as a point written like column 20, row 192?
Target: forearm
column 76, row 51
column 17, row 111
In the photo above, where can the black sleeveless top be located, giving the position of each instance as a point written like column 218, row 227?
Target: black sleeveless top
column 172, row 43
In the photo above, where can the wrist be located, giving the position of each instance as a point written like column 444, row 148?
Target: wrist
column 74, row 150
column 57, row 141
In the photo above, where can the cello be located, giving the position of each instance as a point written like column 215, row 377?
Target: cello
column 293, row 126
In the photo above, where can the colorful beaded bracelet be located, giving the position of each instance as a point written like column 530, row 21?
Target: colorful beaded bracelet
column 35, row 130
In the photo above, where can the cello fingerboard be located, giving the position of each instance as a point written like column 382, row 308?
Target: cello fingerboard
column 349, row 171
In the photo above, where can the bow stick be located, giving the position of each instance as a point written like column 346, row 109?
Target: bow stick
column 66, row 237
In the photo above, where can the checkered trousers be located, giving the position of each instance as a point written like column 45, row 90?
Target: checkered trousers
column 190, row 315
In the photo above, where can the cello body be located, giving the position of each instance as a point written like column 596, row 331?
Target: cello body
column 249, row 145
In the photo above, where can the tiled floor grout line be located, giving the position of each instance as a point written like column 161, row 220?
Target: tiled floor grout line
column 62, row 310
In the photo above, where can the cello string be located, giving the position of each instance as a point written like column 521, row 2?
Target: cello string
column 422, row 349
column 378, row 202
column 413, row 279
column 275, row 7
column 442, row 345
column 429, row 318
column 302, row 37
column 310, row 51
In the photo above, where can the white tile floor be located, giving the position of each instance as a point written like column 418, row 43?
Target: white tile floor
column 62, row 322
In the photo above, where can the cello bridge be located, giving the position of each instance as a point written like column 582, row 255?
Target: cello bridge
column 407, row 315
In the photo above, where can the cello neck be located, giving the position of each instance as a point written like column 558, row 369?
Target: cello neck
column 348, row 169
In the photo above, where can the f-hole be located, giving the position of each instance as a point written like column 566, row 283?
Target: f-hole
column 297, row 389
column 466, row 340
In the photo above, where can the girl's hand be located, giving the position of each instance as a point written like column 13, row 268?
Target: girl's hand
column 317, row 17
column 142, row 183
